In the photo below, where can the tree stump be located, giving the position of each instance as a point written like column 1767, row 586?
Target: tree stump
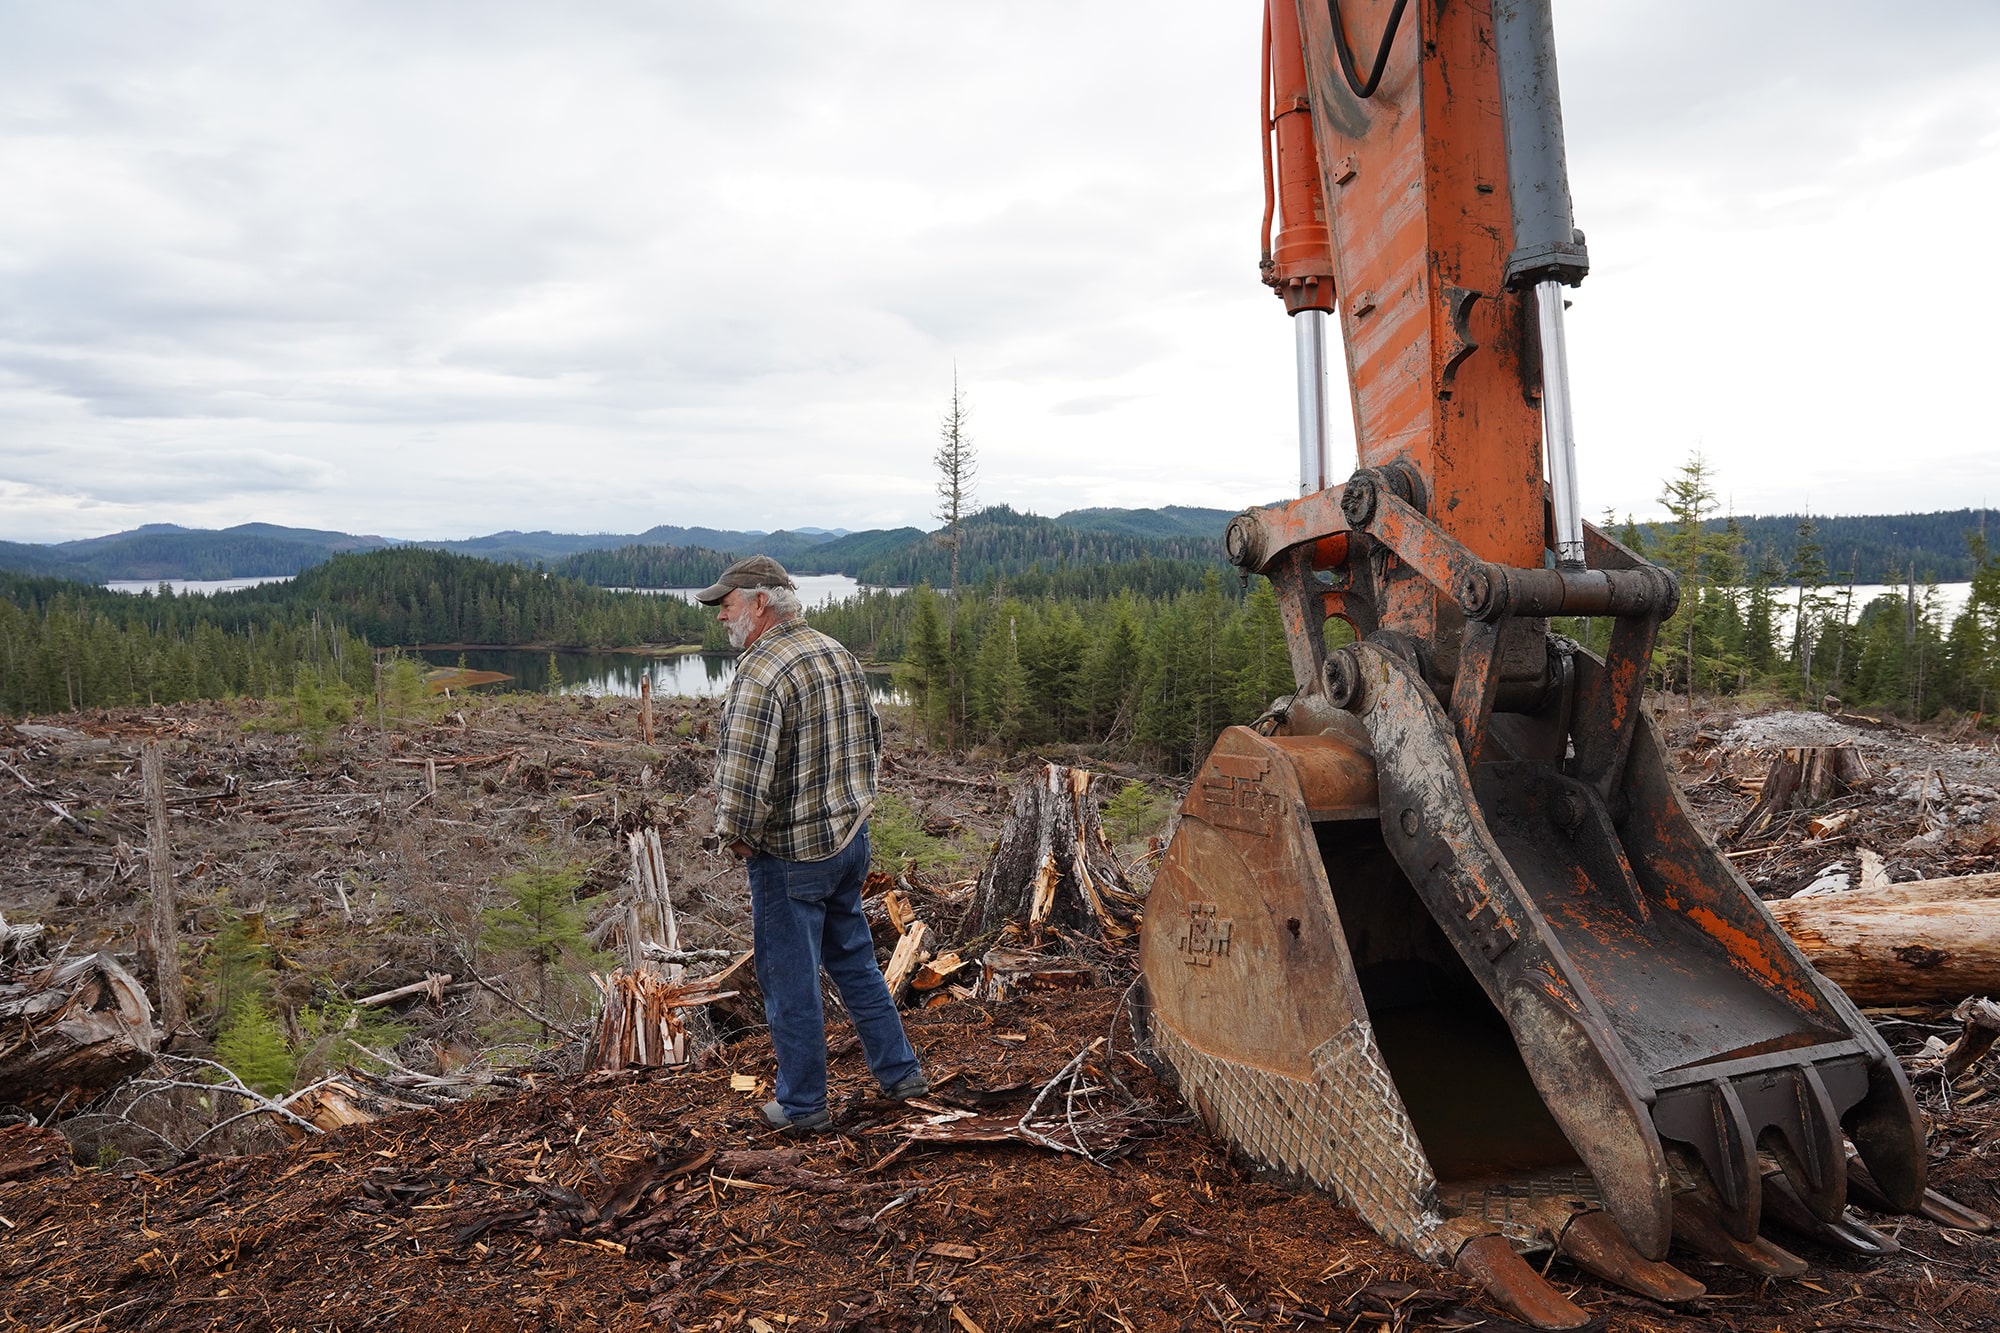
column 1800, row 778
column 1054, row 869
column 70, row 1029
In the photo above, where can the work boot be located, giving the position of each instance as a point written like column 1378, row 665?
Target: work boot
column 914, row 1085
column 775, row 1117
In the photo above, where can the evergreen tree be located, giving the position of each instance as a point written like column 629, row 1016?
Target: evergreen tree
column 540, row 919
column 1808, row 574
column 1760, row 636
column 1691, row 552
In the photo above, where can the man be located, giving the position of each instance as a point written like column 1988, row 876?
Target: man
column 795, row 778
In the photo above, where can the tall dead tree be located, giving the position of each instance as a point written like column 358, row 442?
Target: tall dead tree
column 957, row 467
column 159, row 938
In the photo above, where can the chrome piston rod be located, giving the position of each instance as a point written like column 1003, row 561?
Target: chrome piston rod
column 1558, row 427
column 1309, row 334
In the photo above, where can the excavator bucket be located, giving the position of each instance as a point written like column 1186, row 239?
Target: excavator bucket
column 1498, row 999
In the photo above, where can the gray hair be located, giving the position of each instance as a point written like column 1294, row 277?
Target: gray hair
column 783, row 603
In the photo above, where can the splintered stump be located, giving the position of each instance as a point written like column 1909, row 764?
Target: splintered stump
column 1926, row 942
column 70, row 1029
column 1053, row 869
column 1800, row 778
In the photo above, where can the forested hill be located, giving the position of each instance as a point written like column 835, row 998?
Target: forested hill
column 998, row 542
column 645, row 566
column 1879, row 548
column 1032, row 555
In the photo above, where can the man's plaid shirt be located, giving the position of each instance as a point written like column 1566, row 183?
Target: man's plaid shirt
column 801, row 746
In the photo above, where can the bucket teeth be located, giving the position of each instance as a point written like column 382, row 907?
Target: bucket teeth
column 1491, row 1262
column 1699, row 1227
column 1593, row 1242
column 1783, row 1205
column 1946, row 1212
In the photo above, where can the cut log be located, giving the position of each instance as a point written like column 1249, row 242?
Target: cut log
column 71, row 1029
column 1801, row 778
column 1927, row 942
column 912, row 952
column 1053, row 868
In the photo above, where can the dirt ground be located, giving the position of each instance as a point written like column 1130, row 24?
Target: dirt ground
column 658, row 1199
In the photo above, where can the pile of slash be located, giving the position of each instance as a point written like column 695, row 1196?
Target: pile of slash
column 1049, row 1180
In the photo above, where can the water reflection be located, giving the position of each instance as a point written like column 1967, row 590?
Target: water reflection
column 690, row 675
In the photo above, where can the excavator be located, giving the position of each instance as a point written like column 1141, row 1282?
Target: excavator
column 1437, row 933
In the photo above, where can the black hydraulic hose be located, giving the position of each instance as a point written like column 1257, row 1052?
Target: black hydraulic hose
column 1340, row 48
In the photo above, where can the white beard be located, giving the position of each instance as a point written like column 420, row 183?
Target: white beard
column 739, row 633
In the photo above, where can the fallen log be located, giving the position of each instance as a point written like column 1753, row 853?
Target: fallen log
column 1929, row 941
column 1005, row 973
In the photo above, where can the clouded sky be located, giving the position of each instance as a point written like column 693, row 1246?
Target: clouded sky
column 431, row 270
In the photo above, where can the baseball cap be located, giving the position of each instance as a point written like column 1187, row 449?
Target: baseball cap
column 751, row 572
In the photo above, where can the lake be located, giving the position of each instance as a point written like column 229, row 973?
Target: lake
column 202, row 586
column 692, row 675
column 814, row 589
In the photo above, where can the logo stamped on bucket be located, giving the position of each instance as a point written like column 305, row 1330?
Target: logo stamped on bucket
column 1207, row 935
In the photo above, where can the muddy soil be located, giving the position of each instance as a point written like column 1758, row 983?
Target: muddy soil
column 658, row 1200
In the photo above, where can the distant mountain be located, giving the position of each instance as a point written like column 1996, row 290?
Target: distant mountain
column 168, row 551
column 1881, row 548
column 1171, row 521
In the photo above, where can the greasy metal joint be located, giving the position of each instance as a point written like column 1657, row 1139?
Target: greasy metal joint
column 1357, row 500
column 1569, row 811
column 1475, row 592
column 1342, row 675
column 1244, row 542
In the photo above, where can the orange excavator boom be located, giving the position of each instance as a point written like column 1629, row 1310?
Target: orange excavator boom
column 1438, row 934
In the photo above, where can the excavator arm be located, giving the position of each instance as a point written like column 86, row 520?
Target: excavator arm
column 1439, row 935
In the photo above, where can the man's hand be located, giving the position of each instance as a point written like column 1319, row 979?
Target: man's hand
column 744, row 851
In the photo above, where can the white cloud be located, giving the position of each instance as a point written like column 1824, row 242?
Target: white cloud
column 431, row 270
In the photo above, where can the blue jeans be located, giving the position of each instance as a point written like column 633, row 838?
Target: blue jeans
column 807, row 915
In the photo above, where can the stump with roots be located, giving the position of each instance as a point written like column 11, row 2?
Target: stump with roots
column 1800, row 778
column 1054, row 871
